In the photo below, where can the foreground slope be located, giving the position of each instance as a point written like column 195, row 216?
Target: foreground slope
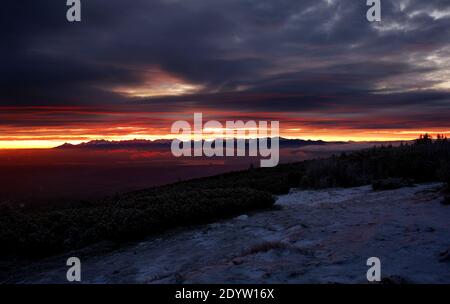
column 316, row 236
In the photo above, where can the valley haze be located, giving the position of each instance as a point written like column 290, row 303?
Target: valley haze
column 91, row 170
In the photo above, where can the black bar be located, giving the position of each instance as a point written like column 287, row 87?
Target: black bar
column 367, row 293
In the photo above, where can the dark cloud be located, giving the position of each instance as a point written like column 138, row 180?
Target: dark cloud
column 252, row 55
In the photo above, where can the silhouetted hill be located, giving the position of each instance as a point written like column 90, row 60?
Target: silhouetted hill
column 123, row 144
column 162, row 143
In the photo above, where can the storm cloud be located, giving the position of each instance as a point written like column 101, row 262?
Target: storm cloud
column 319, row 62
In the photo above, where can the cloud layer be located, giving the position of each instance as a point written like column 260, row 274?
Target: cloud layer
column 312, row 64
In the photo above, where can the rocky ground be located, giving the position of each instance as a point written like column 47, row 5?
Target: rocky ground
column 323, row 236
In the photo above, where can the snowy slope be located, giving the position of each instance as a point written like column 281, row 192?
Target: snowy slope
column 323, row 236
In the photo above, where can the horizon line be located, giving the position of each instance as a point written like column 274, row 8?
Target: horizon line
column 78, row 143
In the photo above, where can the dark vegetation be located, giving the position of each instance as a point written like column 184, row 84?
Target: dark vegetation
column 263, row 247
column 137, row 214
column 391, row 183
column 123, row 218
column 447, row 185
column 422, row 161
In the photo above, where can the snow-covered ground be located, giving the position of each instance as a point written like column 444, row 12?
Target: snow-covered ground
column 323, row 236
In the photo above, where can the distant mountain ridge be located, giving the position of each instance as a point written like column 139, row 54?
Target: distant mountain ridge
column 160, row 143
column 102, row 143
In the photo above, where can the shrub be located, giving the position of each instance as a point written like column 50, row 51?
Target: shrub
column 447, row 180
column 264, row 247
column 130, row 217
column 446, row 200
column 390, row 184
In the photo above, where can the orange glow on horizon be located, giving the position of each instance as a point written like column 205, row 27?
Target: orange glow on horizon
column 46, row 142
column 40, row 127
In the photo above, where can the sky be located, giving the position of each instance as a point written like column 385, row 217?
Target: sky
column 130, row 69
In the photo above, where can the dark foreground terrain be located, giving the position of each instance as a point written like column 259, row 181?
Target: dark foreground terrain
column 35, row 233
column 313, row 236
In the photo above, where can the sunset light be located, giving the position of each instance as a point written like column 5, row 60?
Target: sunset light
column 230, row 150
